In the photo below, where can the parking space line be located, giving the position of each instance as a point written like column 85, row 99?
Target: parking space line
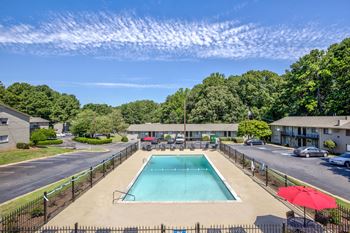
column 41, row 162
column 6, row 172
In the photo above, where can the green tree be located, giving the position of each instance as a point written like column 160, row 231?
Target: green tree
column 117, row 122
column 254, row 129
column 101, row 109
column 84, row 123
column 213, row 102
column 172, row 110
column 141, row 111
column 64, row 108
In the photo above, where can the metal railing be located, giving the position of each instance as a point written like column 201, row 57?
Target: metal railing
column 37, row 212
column 274, row 179
column 197, row 228
column 121, row 197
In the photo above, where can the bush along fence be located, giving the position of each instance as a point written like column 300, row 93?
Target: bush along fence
column 273, row 179
column 197, row 228
column 37, row 212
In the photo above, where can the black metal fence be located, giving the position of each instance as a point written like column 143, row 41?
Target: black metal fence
column 192, row 145
column 197, row 228
column 273, row 179
column 37, row 212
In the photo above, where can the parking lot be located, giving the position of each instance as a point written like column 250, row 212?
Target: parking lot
column 315, row 171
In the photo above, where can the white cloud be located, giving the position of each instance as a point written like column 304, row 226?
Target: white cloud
column 129, row 85
column 127, row 37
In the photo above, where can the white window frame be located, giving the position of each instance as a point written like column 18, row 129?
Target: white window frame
column 4, row 141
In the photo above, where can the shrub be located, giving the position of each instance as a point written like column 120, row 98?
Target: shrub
column 124, row 139
column 50, row 142
column 238, row 140
column 93, row 141
column 37, row 136
column 22, row 145
column 226, row 139
column 205, row 138
column 330, row 144
column 167, row 137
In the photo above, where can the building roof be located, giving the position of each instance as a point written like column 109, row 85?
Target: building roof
column 38, row 120
column 13, row 109
column 180, row 127
column 336, row 122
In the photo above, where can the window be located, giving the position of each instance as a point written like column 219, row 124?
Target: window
column 313, row 130
column 4, row 138
column 4, row 121
column 347, row 133
column 327, row 131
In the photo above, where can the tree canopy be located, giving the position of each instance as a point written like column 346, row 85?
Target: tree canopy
column 254, row 129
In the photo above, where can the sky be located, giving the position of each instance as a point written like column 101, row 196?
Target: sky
column 117, row 51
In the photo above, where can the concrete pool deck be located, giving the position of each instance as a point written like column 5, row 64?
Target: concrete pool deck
column 95, row 207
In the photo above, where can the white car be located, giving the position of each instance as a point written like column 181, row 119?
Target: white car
column 180, row 139
column 342, row 160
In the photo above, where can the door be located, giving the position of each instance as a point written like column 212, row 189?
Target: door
column 299, row 142
column 304, row 142
column 304, row 131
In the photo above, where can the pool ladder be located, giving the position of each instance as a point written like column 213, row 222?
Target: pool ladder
column 119, row 198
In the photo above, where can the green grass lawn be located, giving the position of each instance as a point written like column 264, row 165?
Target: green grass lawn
column 116, row 138
column 18, row 155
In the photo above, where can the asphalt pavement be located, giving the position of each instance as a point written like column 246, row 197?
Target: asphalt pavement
column 315, row 170
column 21, row 178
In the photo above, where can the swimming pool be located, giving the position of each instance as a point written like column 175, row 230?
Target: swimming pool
column 179, row 178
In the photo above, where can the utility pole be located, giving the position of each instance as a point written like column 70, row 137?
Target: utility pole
column 185, row 120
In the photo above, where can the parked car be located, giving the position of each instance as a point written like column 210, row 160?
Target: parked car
column 180, row 140
column 254, row 141
column 310, row 151
column 155, row 141
column 342, row 160
column 171, row 141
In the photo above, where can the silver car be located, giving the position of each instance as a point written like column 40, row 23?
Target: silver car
column 310, row 151
column 342, row 160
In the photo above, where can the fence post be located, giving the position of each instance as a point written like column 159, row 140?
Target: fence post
column 73, row 194
column 285, row 180
column 113, row 161
column 104, row 168
column 91, row 177
column 253, row 169
column 76, row 227
column 120, row 157
column 266, row 175
column 243, row 161
column 45, row 207
column 283, row 227
column 235, row 156
column 162, row 228
column 197, row 227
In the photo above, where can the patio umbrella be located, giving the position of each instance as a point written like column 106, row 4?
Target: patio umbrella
column 307, row 198
column 148, row 138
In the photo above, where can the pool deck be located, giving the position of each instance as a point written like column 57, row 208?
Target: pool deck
column 95, row 207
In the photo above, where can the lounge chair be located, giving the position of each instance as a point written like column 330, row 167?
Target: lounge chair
column 213, row 230
column 130, row 230
column 192, row 147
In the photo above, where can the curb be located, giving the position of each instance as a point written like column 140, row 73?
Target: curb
column 51, row 156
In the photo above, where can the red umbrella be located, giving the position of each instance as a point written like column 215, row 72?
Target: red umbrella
column 307, row 197
column 148, row 138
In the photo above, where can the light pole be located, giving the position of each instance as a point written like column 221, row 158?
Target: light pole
column 185, row 120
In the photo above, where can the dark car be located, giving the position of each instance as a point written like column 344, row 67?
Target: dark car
column 155, row 141
column 171, row 140
column 310, row 151
column 252, row 142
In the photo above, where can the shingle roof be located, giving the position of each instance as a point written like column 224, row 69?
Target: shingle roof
column 315, row 121
column 13, row 109
column 38, row 120
column 180, row 127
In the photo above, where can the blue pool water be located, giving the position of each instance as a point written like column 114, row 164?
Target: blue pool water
column 178, row 178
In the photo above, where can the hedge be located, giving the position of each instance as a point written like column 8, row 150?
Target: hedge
column 93, row 141
column 50, row 142
column 124, row 139
column 238, row 140
column 22, row 145
column 226, row 139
